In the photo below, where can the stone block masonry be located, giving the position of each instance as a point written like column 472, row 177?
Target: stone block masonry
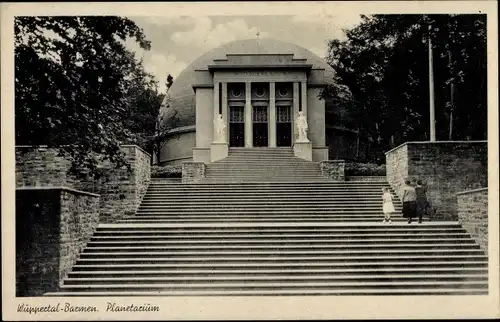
column 473, row 214
column 446, row 167
column 53, row 225
column 121, row 191
column 334, row 169
column 193, row 172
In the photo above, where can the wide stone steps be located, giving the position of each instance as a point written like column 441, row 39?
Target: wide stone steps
column 260, row 164
column 308, row 237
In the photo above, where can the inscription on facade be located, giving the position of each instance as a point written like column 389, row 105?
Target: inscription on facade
column 256, row 75
column 259, row 73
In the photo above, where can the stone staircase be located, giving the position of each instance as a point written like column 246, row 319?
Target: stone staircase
column 262, row 165
column 274, row 238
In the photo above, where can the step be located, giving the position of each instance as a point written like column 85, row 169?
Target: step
column 297, row 227
column 266, row 199
column 326, row 285
column 194, row 240
column 276, row 185
column 217, row 280
column 245, row 272
column 269, row 212
column 298, row 190
column 331, row 205
column 252, row 220
column 346, row 292
column 216, row 266
column 286, row 195
column 275, row 244
column 303, row 253
column 267, row 259
column 284, row 247
column 147, row 237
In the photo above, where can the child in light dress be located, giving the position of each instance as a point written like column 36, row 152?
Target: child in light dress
column 387, row 205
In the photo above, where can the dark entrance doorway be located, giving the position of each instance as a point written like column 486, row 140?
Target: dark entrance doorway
column 260, row 126
column 284, row 125
column 237, row 126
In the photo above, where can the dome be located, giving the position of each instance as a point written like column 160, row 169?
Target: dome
column 182, row 96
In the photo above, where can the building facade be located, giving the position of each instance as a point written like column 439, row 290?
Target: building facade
column 257, row 87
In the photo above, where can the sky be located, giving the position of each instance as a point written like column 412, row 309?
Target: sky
column 177, row 41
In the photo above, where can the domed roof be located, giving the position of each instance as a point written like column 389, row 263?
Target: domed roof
column 181, row 94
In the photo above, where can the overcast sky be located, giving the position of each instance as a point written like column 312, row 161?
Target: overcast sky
column 176, row 41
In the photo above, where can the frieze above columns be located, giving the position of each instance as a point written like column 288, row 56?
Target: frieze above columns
column 259, row 76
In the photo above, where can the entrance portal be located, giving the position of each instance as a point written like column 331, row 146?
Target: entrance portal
column 237, row 126
column 260, row 127
column 283, row 125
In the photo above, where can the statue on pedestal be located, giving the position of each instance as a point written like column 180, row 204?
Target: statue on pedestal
column 301, row 123
column 220, row 130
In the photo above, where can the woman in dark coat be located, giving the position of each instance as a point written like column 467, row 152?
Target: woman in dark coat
column 409, row 202
column 421, row 200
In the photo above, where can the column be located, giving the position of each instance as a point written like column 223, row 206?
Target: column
column 295, row 110
column 272, row 115
column 304, row 98
column 248, row 115
column 224, row 109
column 216, row 106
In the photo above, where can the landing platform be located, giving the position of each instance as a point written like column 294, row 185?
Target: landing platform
column 280, row 224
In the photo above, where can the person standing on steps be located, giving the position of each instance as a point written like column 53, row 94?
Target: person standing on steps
column 387, row 205
column 422, row 202
column 409, row 201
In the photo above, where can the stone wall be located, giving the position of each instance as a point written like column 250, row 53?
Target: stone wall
column 445, row 167
column 473, row 214
column 142, row 173
column 53, row 225
column 193, row 172
column 334, row 169
column 41, row 167
column 121, row 190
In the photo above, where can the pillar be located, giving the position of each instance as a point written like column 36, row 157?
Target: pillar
column 216, row 105
column 272, row 115
column 224, row 109
column 219, row 150
column 248, row 115
column 304, row 98
column 295, row 110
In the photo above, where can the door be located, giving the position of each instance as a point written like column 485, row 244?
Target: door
column 236, row 126
column 284, row 125
column 260, row 126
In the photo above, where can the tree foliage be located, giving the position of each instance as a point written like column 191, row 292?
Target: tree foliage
column 384, row 64
column 74, row 80
column 146, row 119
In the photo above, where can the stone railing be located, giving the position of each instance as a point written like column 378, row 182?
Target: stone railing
column 444, row 167
column 473, row 214
column 53, row 225
column 334, row 169
column 193, row 172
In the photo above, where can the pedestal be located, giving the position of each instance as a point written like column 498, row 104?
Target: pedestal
column 218, row 151
column 303, row 150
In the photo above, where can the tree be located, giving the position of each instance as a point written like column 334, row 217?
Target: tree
column 71, row 80
column 384, row 64
column 145, row 121
column 165, row 121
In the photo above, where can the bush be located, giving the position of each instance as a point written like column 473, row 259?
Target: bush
column 364, row 169
column 167, row 171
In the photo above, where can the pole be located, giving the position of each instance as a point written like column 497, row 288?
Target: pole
column 452, row 101
column 431, row 90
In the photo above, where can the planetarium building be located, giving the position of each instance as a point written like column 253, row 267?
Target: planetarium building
column 251, row 93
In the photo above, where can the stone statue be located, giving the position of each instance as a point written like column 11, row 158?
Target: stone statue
column 220, row 130
column 301, row 123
